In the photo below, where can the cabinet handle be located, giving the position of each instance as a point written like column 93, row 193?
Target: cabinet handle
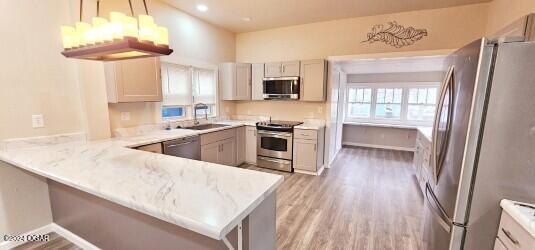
column 283, row 68
column 510, row 236
column 315, row 145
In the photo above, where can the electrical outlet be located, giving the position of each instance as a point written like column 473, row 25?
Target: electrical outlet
column 248, row 112
column 320, row 110
column 125, row 116
column 227, row 109
column 38, row 121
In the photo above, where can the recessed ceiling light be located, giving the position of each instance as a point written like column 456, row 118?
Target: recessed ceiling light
column 246, row 19
column 202, row 7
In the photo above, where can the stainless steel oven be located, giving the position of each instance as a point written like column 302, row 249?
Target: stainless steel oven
column 274, row 145
column 281, row 88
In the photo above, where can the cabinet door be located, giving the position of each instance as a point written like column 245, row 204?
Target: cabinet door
column 290, row 68
column 257, row 81
column 138, row 80
column 273, row 69
column 242, row 88
column 250, row 145
column 305, row 155
column 227, row 155
column 210, row 152
column 240, row 145
column 313, row 80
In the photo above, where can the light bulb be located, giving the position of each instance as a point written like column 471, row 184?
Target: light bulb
column 146, row 28
column 68, row 35
column 82, row 33
column 163, row 36
column 98, row 24
column 117, row 21
column 130, row 27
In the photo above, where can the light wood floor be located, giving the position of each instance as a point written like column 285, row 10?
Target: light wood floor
column 56, row 242
column 367, row 200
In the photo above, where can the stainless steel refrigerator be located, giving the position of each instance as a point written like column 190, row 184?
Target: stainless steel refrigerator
column 483, row 146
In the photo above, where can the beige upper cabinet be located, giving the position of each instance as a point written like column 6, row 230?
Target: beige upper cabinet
column 313, row 80
column 273, row 69
column 235, row 81
column 290, row 68
column 135, row 80
column 257, row 89
column 281, row 69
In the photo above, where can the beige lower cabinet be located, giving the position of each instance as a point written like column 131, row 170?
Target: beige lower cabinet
column 154, row 148
column 219, row 147
column 250, row 145
column 240, row 145
column 511, row 235
column 210, row 152
column 421, row 161
column 308, row 151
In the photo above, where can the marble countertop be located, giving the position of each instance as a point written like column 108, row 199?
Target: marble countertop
column 427, row 132
column 206, row 198
column 523, row 213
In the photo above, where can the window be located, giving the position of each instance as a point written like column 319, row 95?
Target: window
column 359, row 102
column 392, row 103
column 388, row 103
column 185, row 86
column 421, row 104
column 172, row 112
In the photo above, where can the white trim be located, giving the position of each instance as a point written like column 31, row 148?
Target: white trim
column 356, row 144
column 52, row 227
column 317, row 173
column 383, row 125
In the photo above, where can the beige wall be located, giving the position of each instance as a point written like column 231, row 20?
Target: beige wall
column 448, row 28
column 503, row 12
column 24, row 201
column 194, row 42
column 34, row 77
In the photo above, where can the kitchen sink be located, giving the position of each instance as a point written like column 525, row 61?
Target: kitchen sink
column 207, row 126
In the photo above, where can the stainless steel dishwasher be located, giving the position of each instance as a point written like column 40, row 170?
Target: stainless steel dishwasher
column 187, row 147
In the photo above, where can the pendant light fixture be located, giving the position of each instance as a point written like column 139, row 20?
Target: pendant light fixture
column 122, row 37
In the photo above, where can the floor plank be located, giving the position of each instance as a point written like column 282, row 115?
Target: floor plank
column 56, row 242
column 367, row 200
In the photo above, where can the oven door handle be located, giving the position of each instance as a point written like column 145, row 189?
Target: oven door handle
column 276, row 134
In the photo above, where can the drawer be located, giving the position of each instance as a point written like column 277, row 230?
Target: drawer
column 512, row 235
column 217, row 136
column 306, row 134
column 498, row 245
column 250, row 128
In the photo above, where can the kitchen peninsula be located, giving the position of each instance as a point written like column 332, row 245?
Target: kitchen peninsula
column 104, row 191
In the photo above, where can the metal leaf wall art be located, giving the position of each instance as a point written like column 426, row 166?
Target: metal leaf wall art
column 395, row 34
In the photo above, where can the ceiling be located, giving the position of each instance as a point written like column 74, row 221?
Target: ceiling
column 266, row 14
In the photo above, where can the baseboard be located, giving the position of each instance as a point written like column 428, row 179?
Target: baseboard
column 52, row 227
column 73, row 237
column 356, row 144
column 334, row 158
column 317, row 173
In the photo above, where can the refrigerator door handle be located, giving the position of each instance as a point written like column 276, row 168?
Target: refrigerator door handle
column 435, row 161
column 438, row 213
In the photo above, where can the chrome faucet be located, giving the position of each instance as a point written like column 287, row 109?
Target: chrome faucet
column 199, row 106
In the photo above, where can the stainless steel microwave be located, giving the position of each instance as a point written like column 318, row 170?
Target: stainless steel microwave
column 277, row 88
